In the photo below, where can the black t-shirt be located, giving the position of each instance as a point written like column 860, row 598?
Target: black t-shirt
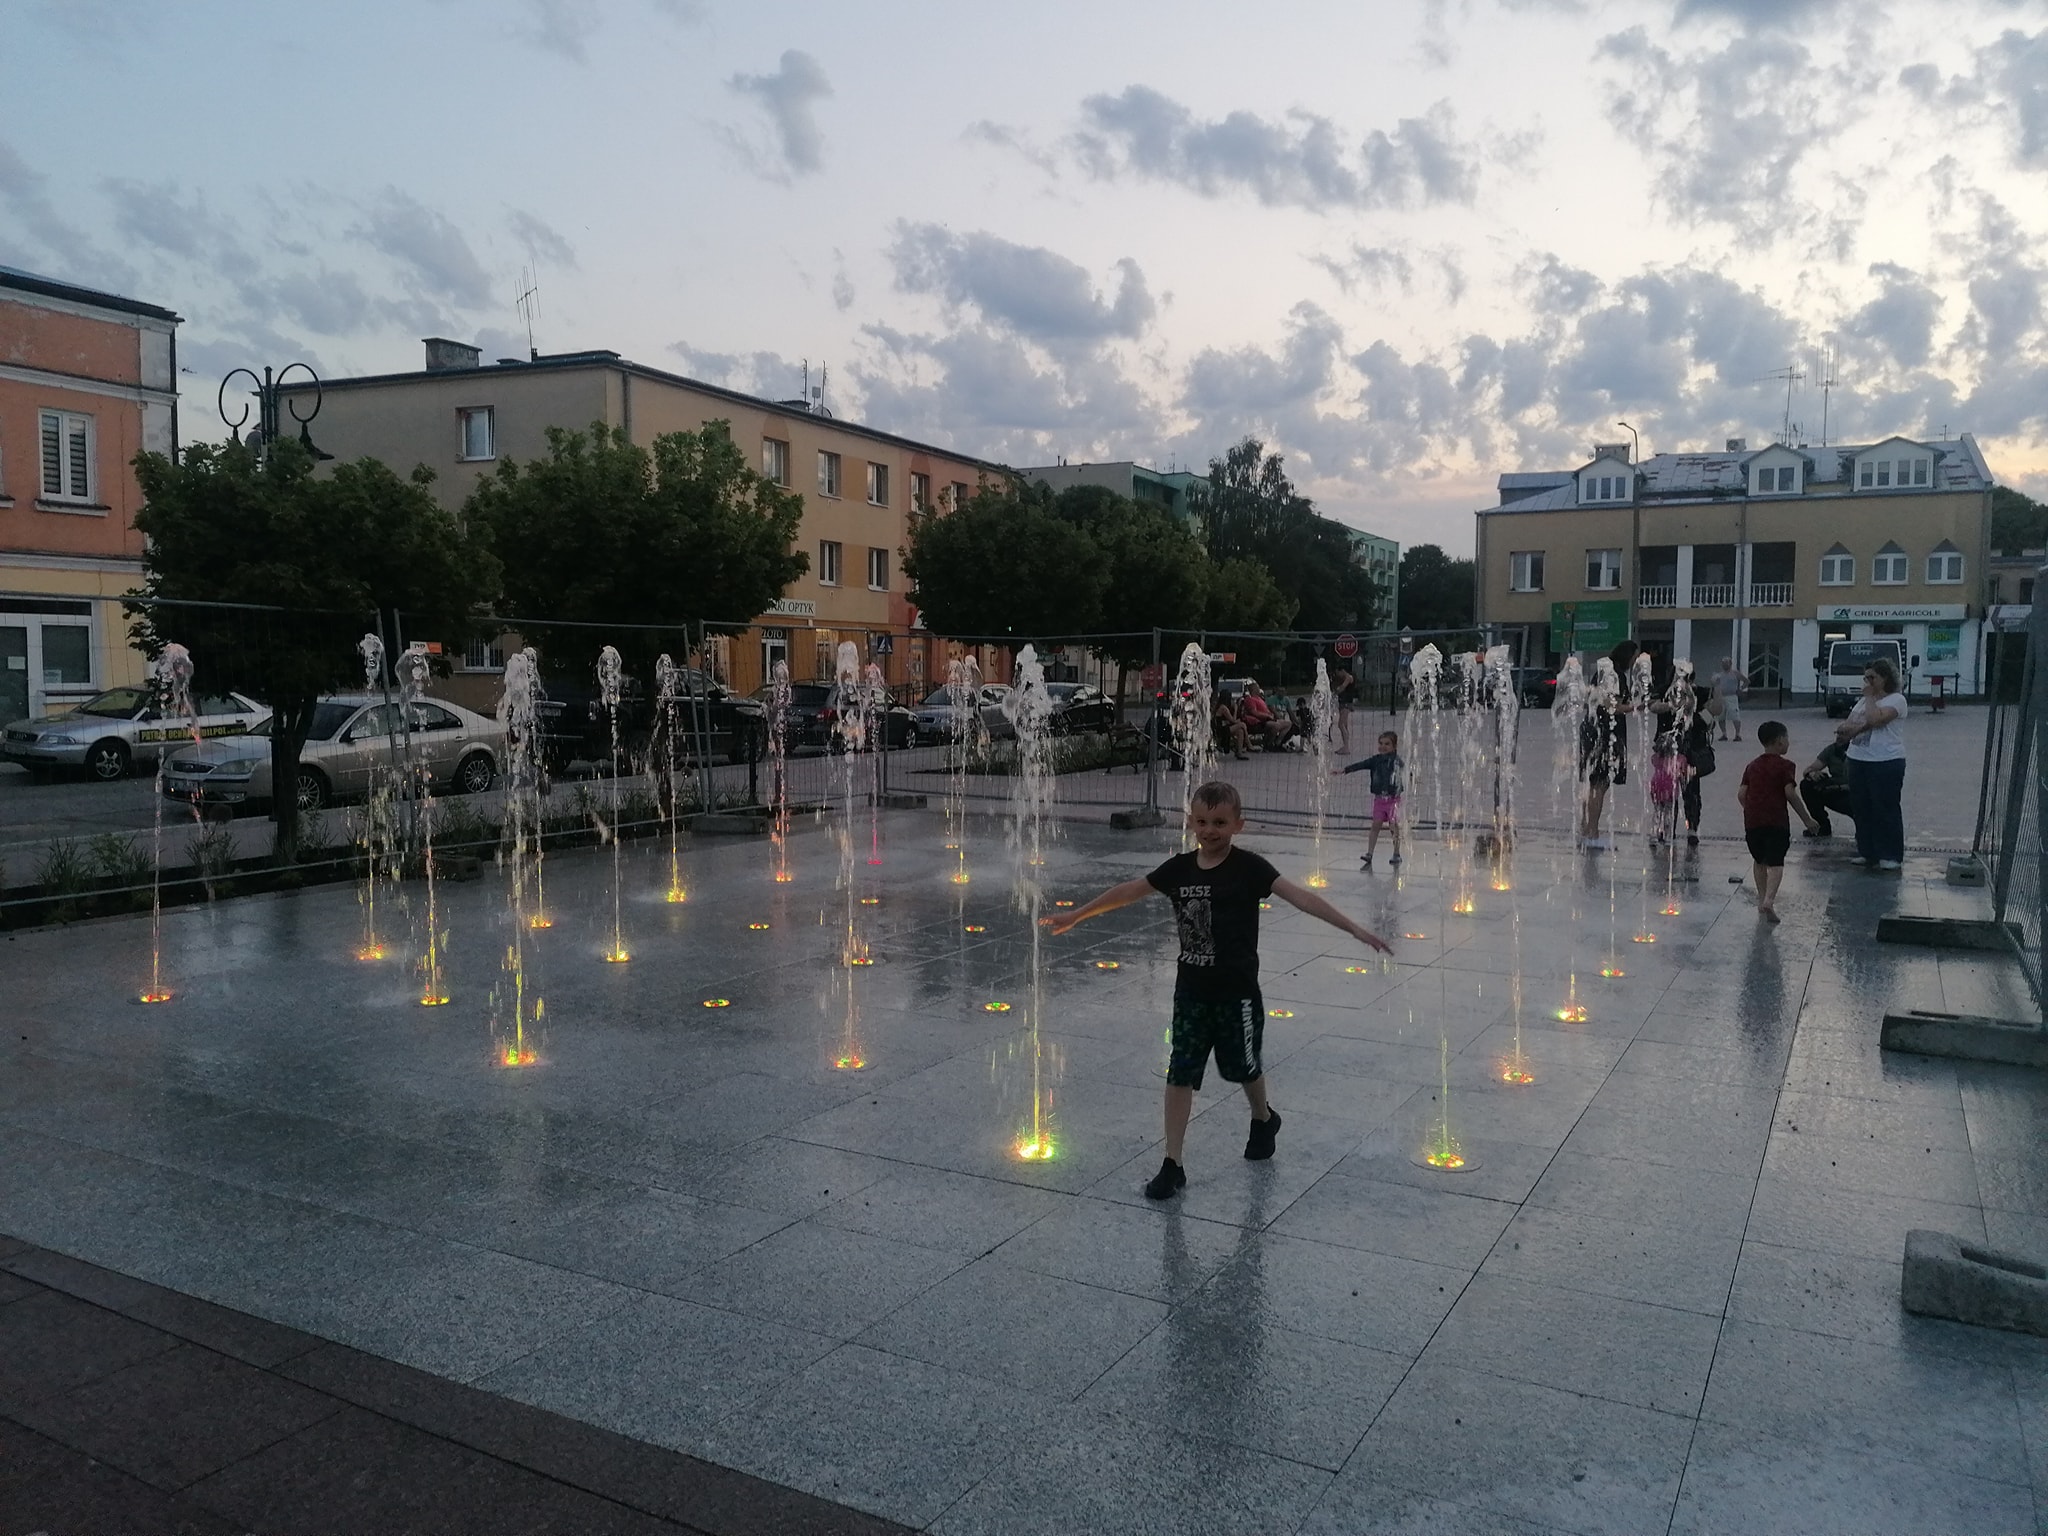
column 1218, row 912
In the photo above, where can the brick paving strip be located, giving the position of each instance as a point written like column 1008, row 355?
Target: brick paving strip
column 128, row 1408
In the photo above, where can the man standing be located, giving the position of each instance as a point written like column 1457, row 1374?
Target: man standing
column 1344, row 689
column 1729, row 687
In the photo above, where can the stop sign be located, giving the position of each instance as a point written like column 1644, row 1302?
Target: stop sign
column 1346, row 646
column 1152, row 677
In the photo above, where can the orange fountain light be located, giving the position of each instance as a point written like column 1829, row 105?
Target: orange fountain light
column 1645, row 937
column 1107, row 965
column 1513, row 1074
column 850, row 1063
column 783, row 877
column 1611, row 969
column 677, row 895
column 1573, row 1013
column 975, row 928
column 513, row 1056
column 717, row 1002
column 370, row 952
column 1318, row 881
column 995, row 1007
column 428, row 1000
column 617, row 956
column 757, row 927
column 156, row 995
column 1464, row 906
column 1039, row 1150
column 538, row 921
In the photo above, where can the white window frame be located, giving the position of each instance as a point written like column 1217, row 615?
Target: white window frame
column 1887, row 561
column 829, row 473
column 1950, row 560
column 466, row 414
column 831, row 555
column 878, row 484
column 1611, row 564
column 1921, row 470
column 71, row 426
column 878, row 564
column 961, row 490
column 484, row 656
column 1847, row 576
column 920, row 492
column 775, row 461
column 1522, row 564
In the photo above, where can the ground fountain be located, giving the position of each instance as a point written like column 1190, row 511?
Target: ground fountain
column 1604, row 709
column 172, row 675
column 874, row 707
column 1568, row 721
column 968, row 739
column 517, row 1009
column 414, row 673
column 667, row 696
column 851, row 728
column 1194, row 730
column 611, row 674
column 1322, row 712
column 778, row 770
column 375, row 831
column 1029, row 707
column 1422, row 737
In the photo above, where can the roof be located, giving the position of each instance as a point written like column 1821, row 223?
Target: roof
column 1958, row 466
column 52, row 288
column 598, row 358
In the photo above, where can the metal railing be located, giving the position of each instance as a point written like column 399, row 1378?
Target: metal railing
column 2010, row 831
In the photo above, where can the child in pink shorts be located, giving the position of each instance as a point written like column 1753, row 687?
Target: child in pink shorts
column 1384, row 771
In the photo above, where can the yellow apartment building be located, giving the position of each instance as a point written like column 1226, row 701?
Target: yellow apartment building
column 1754, row 554
column 460, row 417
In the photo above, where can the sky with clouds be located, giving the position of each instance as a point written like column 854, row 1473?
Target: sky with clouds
column 1410, row 245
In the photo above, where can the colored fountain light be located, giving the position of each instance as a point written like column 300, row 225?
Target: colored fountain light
column 156, row 995
column 975, row 928
column 1414, row 935
column 758, row 927
column 1611, row 969
column 783, row 877
column 677, row 895
column 1646, row 938
column 431, row 1000
column 1318, row 881
column 1040, row 1150
column 1502, row 885
column 370, row 952
column 1107, row 965
column 995, row 1007
column 871, row 901
column 1573, row 1013
column 1445, row 1160
column 1265, row 906
column 513, row 1056
column 861, row 960
column 717, row 1002
column 1063, row 903
column 617, row 956
column 1517, row 1075
column 1669, row 910
column 850, row 1063
column 1357, row 970
column 538, row 920
column 1279, row 1013
column 959, row 877
column 1464, row 907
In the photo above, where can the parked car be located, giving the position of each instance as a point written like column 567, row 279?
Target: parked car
column 934, row 717
column 576, row 726
column 898, row 722
column 814, row 710
column 1075, row 707
column 351, row 738
column 1537, row 686
column 113, row 733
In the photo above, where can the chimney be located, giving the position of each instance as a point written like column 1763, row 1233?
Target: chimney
column 444, row 355
column 1738, row 445
column 1611, row 451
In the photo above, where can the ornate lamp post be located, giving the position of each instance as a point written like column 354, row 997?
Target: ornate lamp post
column 268, row 391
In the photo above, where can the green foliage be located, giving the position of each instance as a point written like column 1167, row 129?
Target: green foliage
column 1156, row 575
column 459, row 825
column 1250, row 510
column 1244, row 597
column 120, row 861
column 2018, row 522
column 333, row 550
column 605, row 531
column 1436, row 591
column 66, row 868
column 1007, row 565
column 212, row 854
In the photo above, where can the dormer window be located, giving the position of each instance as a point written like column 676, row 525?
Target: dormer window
column 1889, row 474
column 1945, row 564
column 1603, row 488
column 1837, row 568
column 1777, row 479
column 1888, row 568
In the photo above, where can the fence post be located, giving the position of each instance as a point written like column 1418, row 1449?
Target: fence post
column 2024, row 731
column 2037, row 679
column 1152, row 722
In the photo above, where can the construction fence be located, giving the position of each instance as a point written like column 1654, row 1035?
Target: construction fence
column 2009, row 843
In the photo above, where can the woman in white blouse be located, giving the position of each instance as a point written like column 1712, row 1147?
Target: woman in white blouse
column 1876, row 743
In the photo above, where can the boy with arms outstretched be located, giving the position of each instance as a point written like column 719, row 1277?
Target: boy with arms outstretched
column 1216, row 891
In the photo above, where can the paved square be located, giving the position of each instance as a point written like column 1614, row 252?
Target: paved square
column 1663, row 1294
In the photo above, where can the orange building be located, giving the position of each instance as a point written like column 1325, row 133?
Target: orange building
column 87, row 381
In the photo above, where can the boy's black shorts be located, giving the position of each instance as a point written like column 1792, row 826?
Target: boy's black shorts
column 1769, row 845
column 1234, row 1029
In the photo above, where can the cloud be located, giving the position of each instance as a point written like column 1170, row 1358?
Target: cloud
column 1374, row 266
column 842, row 284
column 1024, row 288
column 1725, row 129
column 1901, row 319
column 1017, row 140
column 1756, row 15
column 541, row 239
column 1556, row 287
column 2016, row 66
column 432, row 254
column 1298, row 161
column 35, row 235
column 768, row 375
column 787, row 96
column 560, row 26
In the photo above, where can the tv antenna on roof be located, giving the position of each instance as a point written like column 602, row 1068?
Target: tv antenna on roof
column 528, row 305
column 1829, row 382
column 1791, row 375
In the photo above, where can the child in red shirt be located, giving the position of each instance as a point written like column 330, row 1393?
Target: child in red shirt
column 1769, row 792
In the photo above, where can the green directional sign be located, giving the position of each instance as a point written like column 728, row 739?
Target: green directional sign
column 1593, row 627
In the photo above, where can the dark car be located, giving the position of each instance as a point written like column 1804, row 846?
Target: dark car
column 814, row 710
column 1537, row 686
column 576, row 725
column 1075, row 707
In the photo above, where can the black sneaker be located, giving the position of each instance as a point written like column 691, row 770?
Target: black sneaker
column 1366, row 861
column 1395, row 859
column 1167, row 1182
column 1692, row 839
column 1259, row 1145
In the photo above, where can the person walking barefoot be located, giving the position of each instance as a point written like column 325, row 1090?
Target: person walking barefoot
column 1216, row 890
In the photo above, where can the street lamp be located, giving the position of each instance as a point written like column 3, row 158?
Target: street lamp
column 267, row 391
column 1635, row 524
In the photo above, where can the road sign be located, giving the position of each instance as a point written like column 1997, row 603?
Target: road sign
column 881, row 645
column 1346, row 646
column 1153, row 678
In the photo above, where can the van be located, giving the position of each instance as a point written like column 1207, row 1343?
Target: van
column 1840, row 666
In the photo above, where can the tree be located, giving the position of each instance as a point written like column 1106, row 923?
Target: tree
column 336, row 553
column 1243, row 597
column 1250, row 510
column 1436, row 591
column 2017, row 521
column 604, row 531
column 1006, row 564
column 1157, row 574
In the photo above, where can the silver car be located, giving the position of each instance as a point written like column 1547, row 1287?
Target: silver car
column 118, row 731
column 935, row 714
column 352, row 737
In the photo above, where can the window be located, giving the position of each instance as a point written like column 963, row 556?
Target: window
column 1884, row 472
column 1837, row 568
column 878, row 570
column 67, row 456
column 960, row 494
column 1775, row 480
column 775, row 460
column 483, row 656
column 1888, row 569
column 479, row 435
column 1945, row 564
column 1919, row 472
column 2026, row 589
column 1605, row 488
column 1603, row 570
column 1525, row 571
column 828, row 474
column 67, row 655
column 828, row 560
column 878, row 485
column 920, row 492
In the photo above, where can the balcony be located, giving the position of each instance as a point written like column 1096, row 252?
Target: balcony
column 1770, row 594
column 1713, row 594
column 1657, row 597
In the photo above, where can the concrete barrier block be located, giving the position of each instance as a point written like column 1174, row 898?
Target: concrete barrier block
column 900, row 800
column 1141, row 816
column 1944, row 1276
column 1962, row 1037
column 728, row 822
column 1966, row 869
column 1950, row 933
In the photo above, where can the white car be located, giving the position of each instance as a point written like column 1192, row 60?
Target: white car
column 118, row 731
